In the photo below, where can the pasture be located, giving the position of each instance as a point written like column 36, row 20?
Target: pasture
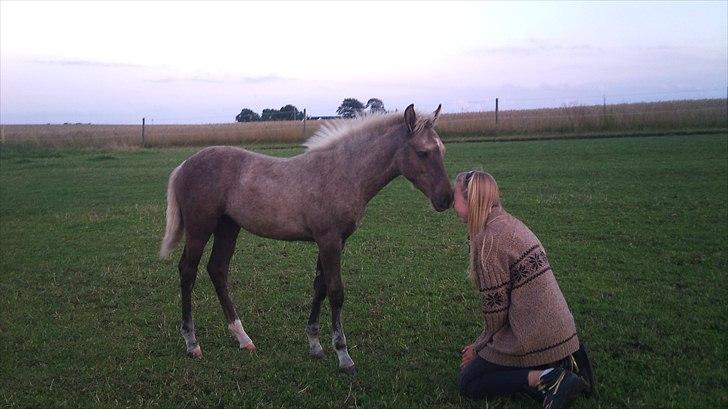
column 635, row 228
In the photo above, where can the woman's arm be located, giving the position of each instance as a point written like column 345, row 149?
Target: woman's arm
column 492, row 281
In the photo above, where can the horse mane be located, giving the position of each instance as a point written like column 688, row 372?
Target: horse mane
column 337, row 130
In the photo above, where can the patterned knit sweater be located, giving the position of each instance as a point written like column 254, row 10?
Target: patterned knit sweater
column 527, row 320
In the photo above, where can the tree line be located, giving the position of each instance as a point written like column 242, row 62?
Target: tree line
column 286, row 113
column 349, row 108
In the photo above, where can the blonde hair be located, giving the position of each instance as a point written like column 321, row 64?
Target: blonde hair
column 482, row 194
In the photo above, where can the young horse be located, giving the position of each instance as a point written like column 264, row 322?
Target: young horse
column 317, row 196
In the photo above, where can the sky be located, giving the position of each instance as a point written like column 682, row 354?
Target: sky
column 202, row 62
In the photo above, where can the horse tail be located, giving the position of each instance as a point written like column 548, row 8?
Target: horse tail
column 174, row 230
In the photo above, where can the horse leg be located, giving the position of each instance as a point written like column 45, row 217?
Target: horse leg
column 226, row 234
column 313, row 327
column 191, row 255
column 330, row 253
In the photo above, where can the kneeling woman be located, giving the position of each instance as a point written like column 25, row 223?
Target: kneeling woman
column 529, row 343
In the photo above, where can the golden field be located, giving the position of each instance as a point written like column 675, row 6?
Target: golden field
column 649, row 116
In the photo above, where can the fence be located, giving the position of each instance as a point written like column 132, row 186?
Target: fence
column 668, row 115
column 653, row 116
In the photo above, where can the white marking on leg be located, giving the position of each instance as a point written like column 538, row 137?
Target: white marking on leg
column 345, row 360
column 338, row 340
column 193, row 348
column 236, row 328
column 314, row 344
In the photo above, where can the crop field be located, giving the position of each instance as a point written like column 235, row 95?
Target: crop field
column 651, row 117
column 636, row 230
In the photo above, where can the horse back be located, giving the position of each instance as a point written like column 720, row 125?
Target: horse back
column 260, row 193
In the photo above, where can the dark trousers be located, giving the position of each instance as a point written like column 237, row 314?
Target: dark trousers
column 481, row 379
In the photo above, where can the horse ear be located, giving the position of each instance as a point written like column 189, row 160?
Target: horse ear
column 410, row 117
column 436, row 115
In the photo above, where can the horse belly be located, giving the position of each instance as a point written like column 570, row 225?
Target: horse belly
column 274, row 221
column 276, row 231
column 268, row 200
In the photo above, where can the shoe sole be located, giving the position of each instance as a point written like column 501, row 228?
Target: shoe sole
column 577, row 388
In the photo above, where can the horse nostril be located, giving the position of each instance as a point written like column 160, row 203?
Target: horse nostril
column 449, row 198
column 445, row 201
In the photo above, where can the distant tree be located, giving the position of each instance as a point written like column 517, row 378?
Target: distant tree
column 247, row 115
column 350, row 108
column 270, row 115
column 376, row 105
column 290, row 112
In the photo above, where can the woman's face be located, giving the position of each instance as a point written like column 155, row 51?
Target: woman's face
column 461, row 203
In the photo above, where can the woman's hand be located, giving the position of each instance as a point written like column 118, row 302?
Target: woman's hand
column 468, row 354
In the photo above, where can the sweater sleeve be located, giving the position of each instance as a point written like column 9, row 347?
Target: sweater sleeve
column 492, row 286
column 476, row 263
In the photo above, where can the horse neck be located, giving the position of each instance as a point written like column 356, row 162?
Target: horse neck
column 371, row 166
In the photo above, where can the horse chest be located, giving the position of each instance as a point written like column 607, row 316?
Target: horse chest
column 351, row 222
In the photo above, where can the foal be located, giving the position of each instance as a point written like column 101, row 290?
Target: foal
column 317, row 196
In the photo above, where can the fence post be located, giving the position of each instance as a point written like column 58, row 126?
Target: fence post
column 143, row 142
column 496, row 111
column 304, row 123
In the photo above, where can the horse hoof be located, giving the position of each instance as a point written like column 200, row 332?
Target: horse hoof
column 350, row 370
column 250, row 346
column 195, row 352
column 318, row 354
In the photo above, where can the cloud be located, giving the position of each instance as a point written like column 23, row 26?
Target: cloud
column 201, row 78
column 87, row 63
column 207, row 79
column 531, row 47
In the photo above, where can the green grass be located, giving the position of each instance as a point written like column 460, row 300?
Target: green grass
column 636, row 230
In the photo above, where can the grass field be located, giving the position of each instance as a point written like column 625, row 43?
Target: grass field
column 636, row 230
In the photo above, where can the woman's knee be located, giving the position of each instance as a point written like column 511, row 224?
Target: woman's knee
column 462, row 384
column 470, row 390
column 464, row 391
column 465, row 385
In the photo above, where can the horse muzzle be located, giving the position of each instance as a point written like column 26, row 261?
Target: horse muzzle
column 443, row 202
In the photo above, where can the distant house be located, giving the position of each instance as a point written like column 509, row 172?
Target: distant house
column 320, row 118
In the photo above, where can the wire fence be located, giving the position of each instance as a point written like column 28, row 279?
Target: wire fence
column 507, row 115
column 518, row 101
column 566, row 119
column 666, row 115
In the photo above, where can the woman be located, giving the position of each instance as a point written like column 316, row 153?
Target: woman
column 529, row 343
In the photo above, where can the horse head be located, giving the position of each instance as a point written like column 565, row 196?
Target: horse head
column 420, row 159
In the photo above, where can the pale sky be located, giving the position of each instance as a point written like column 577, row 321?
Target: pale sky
column 202, row 62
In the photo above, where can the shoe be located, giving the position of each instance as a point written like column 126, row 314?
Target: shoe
column 534, row 394
column 580, row 364
column 560, row 388
column 585, row 369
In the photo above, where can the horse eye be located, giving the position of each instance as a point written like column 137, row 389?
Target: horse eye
column 422, row 154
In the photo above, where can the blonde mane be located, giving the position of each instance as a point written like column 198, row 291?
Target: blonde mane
column 337, row 129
